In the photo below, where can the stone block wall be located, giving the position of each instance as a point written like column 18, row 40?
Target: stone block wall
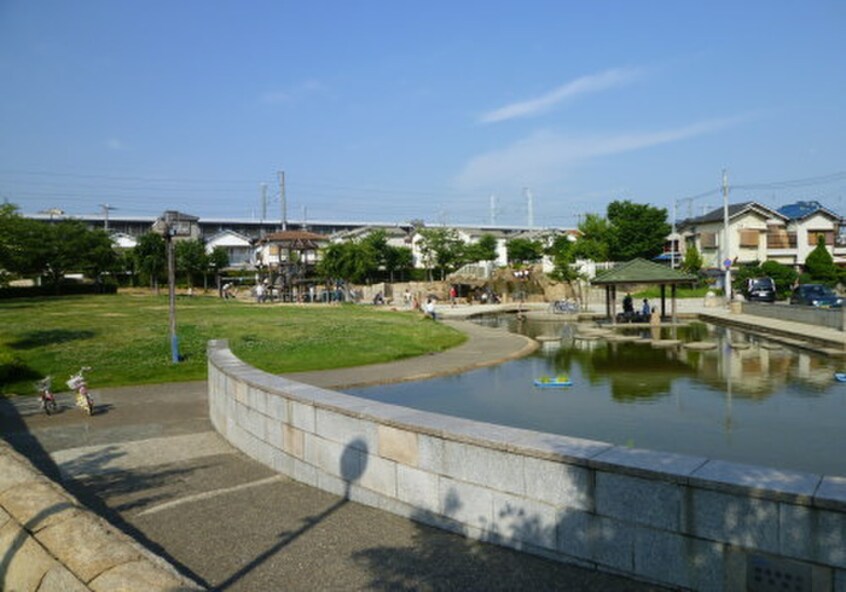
column 681, row 521
column 49, row 542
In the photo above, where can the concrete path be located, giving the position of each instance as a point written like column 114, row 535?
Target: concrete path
column 150, row 462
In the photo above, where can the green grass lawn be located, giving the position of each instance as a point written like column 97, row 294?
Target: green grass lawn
column 124, row 338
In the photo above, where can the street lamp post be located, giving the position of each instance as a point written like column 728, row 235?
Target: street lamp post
column 170, row 225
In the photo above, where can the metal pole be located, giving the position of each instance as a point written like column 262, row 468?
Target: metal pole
column 725, row 249
column 171, row 280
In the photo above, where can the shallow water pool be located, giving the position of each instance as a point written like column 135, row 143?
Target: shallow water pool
column 747, row 400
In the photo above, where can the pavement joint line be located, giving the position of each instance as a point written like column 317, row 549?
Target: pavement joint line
column 135, row 454
column 209, row 494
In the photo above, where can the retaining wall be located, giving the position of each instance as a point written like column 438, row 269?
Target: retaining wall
column 49, row 541
column 678, row 520
column 833, row 318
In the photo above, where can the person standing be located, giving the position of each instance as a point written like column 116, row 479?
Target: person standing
column 430, row 308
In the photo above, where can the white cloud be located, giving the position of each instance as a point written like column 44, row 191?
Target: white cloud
column 546, row 156
column 584, row 85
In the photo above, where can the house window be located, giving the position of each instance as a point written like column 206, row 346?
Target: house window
column 813, row 237
column 749, row 238
column 708, row 240
column 779, row 238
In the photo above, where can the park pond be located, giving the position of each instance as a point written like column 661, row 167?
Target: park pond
column 748, row 399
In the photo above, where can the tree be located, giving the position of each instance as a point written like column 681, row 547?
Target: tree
column 594, row 241
column 637, row 230
column 692, row 262
column 398, row 259
column 352, row 261
column 217, row 261
column 522, row 250
column 482, row 250
column 784, row 276
column 441, row 249
column 191, row 258
column 562, row 252
column 98, row 254
column 819, row 264
column 151, row 257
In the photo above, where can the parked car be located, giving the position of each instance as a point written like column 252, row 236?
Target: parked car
column 816, row 295
column 762, row 289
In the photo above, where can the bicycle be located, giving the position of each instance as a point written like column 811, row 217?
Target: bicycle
column 45, row 395
column 563, row 307
column 78, row 383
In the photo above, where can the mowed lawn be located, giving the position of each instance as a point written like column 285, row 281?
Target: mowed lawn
column 125, row 340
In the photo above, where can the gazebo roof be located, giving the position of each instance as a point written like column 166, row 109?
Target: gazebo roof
column 641, row 271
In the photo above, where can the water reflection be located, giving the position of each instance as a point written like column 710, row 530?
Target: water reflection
column 752, row 367
column 746, row 399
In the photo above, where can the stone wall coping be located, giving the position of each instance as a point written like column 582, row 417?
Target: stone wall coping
column 712, row 474
column 50, row 541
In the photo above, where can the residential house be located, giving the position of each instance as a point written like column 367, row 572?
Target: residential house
column 757, row 233
column 238, row 247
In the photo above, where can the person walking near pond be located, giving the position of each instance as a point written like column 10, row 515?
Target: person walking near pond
column 430, row 308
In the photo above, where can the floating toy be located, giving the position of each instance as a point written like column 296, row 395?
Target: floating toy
column 840, row 376
column 557, row 382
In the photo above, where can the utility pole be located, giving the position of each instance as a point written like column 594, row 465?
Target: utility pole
column 282, row 200
column 725, row 250
column 263, row 208
column 106, row 208
column 493, row 210
column 673, row 238
column 531, row 206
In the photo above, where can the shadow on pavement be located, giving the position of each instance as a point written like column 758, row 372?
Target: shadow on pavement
column 15, row 431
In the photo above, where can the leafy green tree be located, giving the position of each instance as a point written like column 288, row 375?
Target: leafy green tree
column 784, row 276
column 441, row 249
column 819, row 264
column 217, row 261
column 98, row 255
column 151, row 257
column 522, row 250
column 637, row 230
column 562, row 252
column 398, row 259
column 352, row 261
column 191, row 258
column 19, row 243
column 692, row 262
column 594, row 240
column 482, row 250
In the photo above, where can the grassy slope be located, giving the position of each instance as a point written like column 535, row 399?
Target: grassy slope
column 124, row 338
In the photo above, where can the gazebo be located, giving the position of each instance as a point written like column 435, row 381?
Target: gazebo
column 641, row 271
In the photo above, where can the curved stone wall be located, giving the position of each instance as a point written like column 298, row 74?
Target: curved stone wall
column 49, row 541
column 678, row 520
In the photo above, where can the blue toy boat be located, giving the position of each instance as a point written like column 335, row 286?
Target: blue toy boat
column 840, row 376
column 553, row 383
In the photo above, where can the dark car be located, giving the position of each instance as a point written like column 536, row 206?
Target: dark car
column 760, row 289
column 816, row 295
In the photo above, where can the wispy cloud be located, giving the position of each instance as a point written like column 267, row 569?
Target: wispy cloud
column 115, row 144
column 580, row 86
column 546, row 156
column 278, row 96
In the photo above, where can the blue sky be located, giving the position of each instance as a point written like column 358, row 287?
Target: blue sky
column 392, row 111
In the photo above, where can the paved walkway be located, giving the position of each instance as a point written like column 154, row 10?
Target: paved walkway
column 150, row 461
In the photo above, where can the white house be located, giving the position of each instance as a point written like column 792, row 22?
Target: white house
column 757, row 233
column 238, row 247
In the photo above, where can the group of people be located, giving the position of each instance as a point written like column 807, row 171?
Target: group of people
column 630, row 316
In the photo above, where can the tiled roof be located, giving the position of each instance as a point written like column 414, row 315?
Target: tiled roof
column 803, row 209
column 641, row 271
